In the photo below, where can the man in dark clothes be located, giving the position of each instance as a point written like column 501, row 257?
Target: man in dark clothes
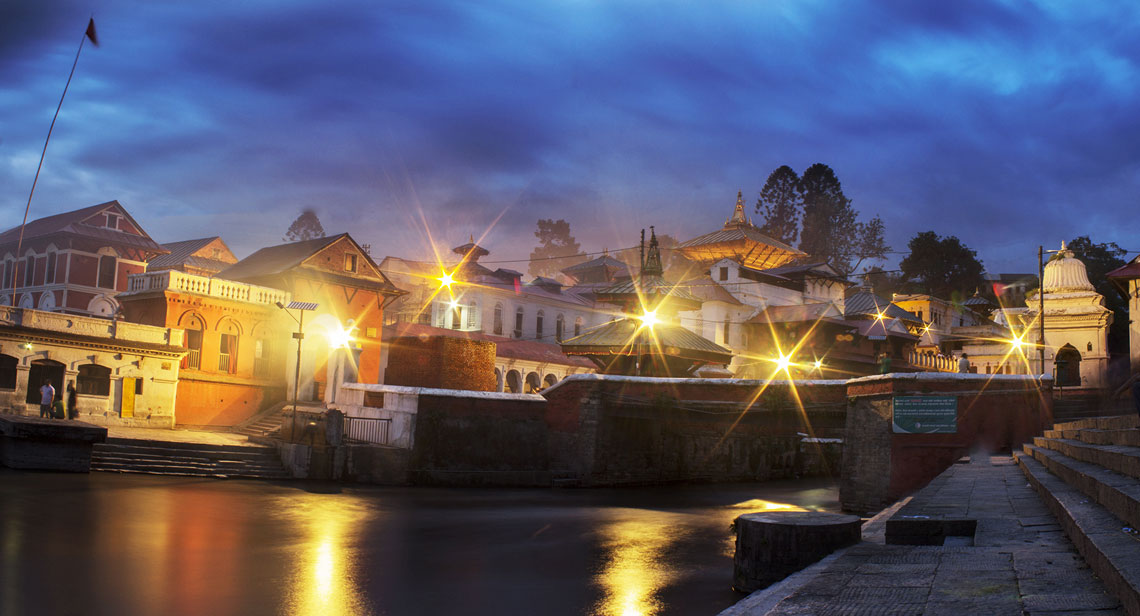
column 72, row 407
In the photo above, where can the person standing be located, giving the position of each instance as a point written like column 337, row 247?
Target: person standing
column 885, row 363
column 47, row 397
column 72, row 402
column 963, row 364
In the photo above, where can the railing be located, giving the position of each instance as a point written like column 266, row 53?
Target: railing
column 370, row 430
column 193, row 359
column 203, row 285
column 934, row 363
column 223, row 362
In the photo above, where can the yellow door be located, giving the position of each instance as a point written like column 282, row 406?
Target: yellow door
column 128, row 409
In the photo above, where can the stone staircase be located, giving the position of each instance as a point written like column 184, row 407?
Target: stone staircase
column 1088, row 473
column 188, row 459
column 264, row 424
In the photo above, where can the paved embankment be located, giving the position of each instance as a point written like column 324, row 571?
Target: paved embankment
column 1017, row 561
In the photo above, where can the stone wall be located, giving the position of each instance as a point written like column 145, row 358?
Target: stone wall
column 995, row 413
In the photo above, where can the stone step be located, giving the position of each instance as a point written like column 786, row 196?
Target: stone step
column 190, row 471
column 162, row 452
column 1119, row 458
column 1110, row 550
column 185, row 445
column 1124, row 436
column 1110, row 422
column 1117, row 493
column 189, row 462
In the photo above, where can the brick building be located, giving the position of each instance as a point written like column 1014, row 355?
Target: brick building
column 74, row 262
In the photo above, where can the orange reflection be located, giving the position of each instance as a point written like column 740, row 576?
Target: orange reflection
column 325, row 576
column 634, row 570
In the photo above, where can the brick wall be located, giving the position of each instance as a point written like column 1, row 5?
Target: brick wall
column 441, row 362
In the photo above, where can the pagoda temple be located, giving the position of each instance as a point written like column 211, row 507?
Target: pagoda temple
column 648, row 341
column 740, row 241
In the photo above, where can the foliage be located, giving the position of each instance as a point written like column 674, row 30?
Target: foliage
column 781, row 203
column 556, row 250
column 882, row 282
column 1099, row 260
column 943, row 267
column 306, row 227
column 831, row 229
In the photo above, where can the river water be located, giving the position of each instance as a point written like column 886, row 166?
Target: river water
column 136, row 544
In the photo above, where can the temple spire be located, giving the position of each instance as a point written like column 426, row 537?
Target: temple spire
column 653, row 265
column 738, row 217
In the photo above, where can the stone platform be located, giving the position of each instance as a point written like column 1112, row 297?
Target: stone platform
column 991, row 547
column 34, row 443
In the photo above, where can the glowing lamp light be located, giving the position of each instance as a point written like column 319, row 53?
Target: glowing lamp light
column 818, row 364
column 446, row 280
column 1017, row 343
column 879, row 316
column 340, row 337
column 783, row 363
column 27, row 346
column 649, row 319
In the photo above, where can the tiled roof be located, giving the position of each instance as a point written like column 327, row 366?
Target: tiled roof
column 70, row 222
column 795, row 314
column 274, row 260
column 706, row 289
column 602, row 261
column 629, row 337
column 867, row 304
column 648, row 286
column 182, row 253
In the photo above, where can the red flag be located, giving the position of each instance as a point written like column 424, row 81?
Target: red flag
column 91, row 32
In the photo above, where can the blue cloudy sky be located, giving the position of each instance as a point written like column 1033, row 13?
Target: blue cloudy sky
column 1008, row 124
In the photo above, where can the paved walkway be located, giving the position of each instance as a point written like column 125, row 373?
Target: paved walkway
column 207, row 437
column 1018, row 561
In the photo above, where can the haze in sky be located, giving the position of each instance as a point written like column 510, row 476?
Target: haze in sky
column 1007, row 124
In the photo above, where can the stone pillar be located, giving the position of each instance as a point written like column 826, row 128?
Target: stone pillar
column 771, row 546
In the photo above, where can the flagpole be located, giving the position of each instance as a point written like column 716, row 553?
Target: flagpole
column 28, row 207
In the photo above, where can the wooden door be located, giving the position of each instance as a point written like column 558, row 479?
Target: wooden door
column 128, row 406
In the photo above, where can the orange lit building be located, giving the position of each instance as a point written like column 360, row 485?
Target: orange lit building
column 342, row 336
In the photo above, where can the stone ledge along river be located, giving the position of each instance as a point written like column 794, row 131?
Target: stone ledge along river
column 138, row 545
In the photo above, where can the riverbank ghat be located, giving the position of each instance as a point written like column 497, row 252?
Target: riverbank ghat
column 1012, row 559
column 34, row 443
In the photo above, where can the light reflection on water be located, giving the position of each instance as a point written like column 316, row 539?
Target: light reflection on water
column 325, row 576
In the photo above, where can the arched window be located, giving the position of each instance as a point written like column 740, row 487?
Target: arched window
column 472, row 311
column 577, row 327
column 538, row 326
column 93, row 380
column 518, row 322
column 456, row 317
column 9, row 269
column 8, row 372
column 724, row 335
column 49, row 274
column 192, row 342
column 498, row 320
column 29, row 271
column 228, row 347
column 514, row 382
column 559, row 327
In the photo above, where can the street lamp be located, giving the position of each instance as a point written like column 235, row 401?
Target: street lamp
column 299, row 335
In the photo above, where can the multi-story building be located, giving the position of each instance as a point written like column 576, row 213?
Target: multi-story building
column 74, row 262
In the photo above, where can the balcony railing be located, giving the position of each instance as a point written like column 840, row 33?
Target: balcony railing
column 174, row 280
column 933, row 363
column 193, row 359
column 223, row 362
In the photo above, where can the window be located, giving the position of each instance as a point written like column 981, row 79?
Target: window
column 8, row 372
column 498, row 319
column 29, row 270
column 106, row 272
column 724, row 273
column 193, row 359
column 350, row 263
column 538, row 326
column 472, row 310
column 9, row 267
column 49, row 275
column 577, row 327
column 456, row 318
column 112, row 221
column 559, row 327
column 227, row 353
column 93, row 380
column 138, row 387
column 724, row 334
column 518, row 323
column 261, row 357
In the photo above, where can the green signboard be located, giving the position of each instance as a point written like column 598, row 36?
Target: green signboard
column 925, row 414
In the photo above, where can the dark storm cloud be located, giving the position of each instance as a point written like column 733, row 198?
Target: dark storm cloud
column 986, row 120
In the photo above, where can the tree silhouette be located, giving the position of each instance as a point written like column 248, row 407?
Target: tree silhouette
column 556, row 249
column 943, row 267
column 306, row 227
column 831, row 229
column 781, row 202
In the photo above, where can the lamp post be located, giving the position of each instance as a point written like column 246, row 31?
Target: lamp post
column 299, row 335
column 1041, row 302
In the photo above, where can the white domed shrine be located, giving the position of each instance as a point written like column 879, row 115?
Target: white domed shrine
column 1076, row 324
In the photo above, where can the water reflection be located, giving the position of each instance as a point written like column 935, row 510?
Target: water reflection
column 635, row 569
column 325, row 571
column 759, row 505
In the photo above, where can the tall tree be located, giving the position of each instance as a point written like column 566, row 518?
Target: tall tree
column 943, row 267
column 1099, row 260
column 831, row 229
column 306, row 227
column 781, row 203
column 556, row 249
